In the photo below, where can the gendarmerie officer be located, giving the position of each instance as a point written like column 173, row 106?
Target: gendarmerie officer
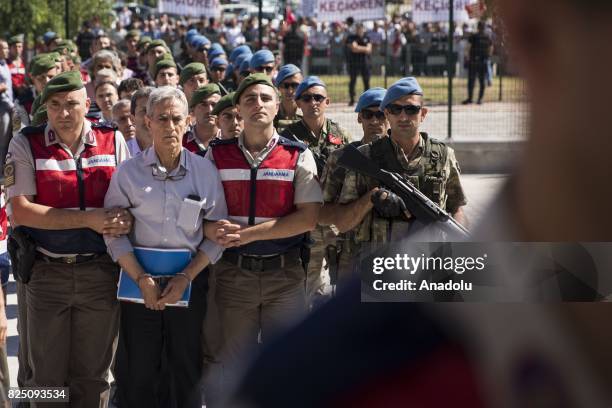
column 56, row 178
column 271, row 189
column 322, row 136
column 376, row 213
column 202, row 102
column 375, row 126
column 287, row 80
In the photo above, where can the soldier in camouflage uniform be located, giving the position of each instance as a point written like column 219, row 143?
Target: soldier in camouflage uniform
column 323, row 136
column 375, row 126
column 288, row 79
column 375, row 213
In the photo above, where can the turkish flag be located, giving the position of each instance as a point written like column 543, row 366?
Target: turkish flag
column 476, row 10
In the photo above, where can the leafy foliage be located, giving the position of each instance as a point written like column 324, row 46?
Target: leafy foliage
column 35, row 17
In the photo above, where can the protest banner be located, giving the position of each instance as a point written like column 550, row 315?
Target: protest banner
column 433, row 11
column 194, row 8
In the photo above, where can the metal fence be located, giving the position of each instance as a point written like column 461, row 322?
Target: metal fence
column 443, row 75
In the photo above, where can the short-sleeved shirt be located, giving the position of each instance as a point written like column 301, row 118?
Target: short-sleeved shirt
column 20, row 154
column 157, row 200
column 306, row 184
column 357, row 58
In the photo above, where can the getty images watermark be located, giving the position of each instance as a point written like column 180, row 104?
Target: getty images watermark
column 410, row 265
column 487, row 272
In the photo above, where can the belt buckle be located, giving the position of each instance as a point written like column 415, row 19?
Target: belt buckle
column 70, row 259
column 257, row 264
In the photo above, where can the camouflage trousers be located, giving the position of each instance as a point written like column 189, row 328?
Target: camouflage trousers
column 317, row 278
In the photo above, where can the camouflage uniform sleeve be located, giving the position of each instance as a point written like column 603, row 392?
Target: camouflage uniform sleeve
column 355, row 185
column 332, row 178
column 454, row 190
column 345, row 134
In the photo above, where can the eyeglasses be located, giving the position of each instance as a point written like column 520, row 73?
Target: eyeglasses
column 368, row 114
column 290, row 85
column 409, row 109
column 262, row 69
column 309, row 97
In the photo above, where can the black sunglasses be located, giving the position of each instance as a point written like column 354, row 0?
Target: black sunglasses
column 409, row 109
column 262, row 69
column 368, row 114
column 310, row 97
column 290, row 85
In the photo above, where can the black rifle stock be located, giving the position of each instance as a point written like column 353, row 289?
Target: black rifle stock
column 426, row 212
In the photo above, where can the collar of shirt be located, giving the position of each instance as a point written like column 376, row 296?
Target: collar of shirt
column 87, row 135
column 415, row 156
column 255, row 160
column 324, row 132
column 149, row 158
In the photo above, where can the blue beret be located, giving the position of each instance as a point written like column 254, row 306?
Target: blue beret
column 241, row 49
column 191, row 33
column 262, row 57
column 214, row 52
column 371, row 97
column 285, row 72
column 229, row 71
column 403, row 87
column 239, row 59
column 218, row 62
column 309, row 82
column 246, row 63
column 49, row 36
column 198, row 41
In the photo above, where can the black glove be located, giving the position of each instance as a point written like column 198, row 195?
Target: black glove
column 389, row 207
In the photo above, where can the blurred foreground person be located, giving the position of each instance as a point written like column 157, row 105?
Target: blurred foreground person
column 495, row 355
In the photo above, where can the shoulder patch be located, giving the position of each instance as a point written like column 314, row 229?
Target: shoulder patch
column 9, row 174
column 333, row 139
column 291, row 143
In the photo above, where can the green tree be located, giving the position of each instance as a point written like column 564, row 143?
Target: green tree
column 35, row 17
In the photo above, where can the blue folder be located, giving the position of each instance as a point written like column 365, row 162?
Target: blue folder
column 162, row 264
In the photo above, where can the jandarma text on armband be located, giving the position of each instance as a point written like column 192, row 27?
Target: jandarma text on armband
column 413, row 264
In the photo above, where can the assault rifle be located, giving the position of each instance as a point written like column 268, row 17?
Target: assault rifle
column 425, row 213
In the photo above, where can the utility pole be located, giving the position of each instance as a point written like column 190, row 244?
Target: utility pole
column 451, row 64
column 260, row 17
column 67, row 18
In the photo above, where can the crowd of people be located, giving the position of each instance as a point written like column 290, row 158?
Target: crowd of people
column 195, row 143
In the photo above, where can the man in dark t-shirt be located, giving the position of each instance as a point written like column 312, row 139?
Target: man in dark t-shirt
column 294, row 46
column 480, row 50
column 358, row 50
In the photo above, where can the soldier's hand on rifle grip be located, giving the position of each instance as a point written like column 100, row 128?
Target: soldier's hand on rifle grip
column 389, row 204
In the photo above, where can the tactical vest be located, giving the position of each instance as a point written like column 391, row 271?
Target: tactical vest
column 259, row 194
column 72, row 183
column 18, row 74
column 429, row 177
